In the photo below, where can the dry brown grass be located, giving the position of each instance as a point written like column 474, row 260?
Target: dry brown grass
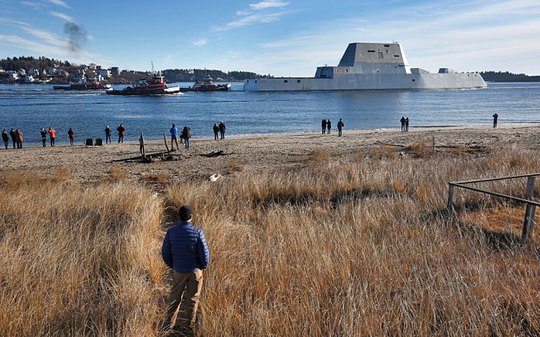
column 348, row 248
column 319, row 156
column 421, row 149
column 157, row 178
column 79, row 261
column 234, row 166
column 117, row 173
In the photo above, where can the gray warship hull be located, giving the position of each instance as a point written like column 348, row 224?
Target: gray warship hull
column 371, row 66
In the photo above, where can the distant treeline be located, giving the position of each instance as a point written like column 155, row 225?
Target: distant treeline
column 29, row 62
column 499, row 76
column 171, row 75
column 187, row 75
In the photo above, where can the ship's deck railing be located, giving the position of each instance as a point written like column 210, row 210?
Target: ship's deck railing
column 528, row 221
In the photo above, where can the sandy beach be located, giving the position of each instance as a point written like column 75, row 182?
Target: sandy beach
column 257, row 153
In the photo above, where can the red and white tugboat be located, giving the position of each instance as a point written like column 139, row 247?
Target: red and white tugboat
column 155, row 86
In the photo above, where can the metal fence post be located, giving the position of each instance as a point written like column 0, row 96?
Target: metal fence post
column 529, row 210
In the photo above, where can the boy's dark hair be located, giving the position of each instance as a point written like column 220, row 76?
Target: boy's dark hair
column 185, row 212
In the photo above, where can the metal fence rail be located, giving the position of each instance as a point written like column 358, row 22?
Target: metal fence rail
column 530, row 208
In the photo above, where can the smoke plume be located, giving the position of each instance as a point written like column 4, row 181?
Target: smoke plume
column 77, row 35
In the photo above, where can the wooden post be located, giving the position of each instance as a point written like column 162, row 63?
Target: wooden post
column 166, row 146
column 141, row 147
column 529, row 210
column 433, row 143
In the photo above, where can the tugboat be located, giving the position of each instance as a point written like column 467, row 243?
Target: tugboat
column 155, row 86
column 84, row 86
column 207, row 85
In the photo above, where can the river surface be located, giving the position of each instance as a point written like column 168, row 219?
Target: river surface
column 30, row 107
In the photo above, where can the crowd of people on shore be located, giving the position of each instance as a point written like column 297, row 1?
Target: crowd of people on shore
column 326, row 126
column 16, row 136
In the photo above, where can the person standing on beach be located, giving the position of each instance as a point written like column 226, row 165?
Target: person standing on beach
column 185, row 250
column 340, row 126
column 328, row 125
column 406, row 124
column 495, row 117
column 121, row 130
column 43, row 133
column 323, row 126
column 13, row 136
column 222, row 128
column 5, row 138
column 186, row 135
column 107, row 134
column 19, row 138
column 52, row 135
column 402, row 122
column 71, row 136
column 216, row 131
column 174, row 137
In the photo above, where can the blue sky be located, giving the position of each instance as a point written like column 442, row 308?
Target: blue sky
column 278, row 37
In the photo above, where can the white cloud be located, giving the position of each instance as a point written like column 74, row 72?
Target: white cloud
column 43, row 36
column 59, row 3
column 200, row 42
column 62, row 16
column 38, row 47
column 250, row 20
column 268, row 4
column 255, row 15
column 34, row 5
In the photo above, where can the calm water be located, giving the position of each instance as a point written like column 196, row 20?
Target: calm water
column 31, row 107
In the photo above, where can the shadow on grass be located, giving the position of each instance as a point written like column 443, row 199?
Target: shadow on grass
column 306, row 198
column 498, row 241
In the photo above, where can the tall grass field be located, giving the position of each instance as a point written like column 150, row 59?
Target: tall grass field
column 359, row 246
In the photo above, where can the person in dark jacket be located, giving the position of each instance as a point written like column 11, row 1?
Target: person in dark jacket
column 402, row 122
column 43, row 133
column 71, row 135
column 495, row 117
column 328, row 125
column 340, row 126
column 107, row 134
column 13, row 136
column 186, row 135
column 121, row 131
column 323, row 126
column 222, row 128
column 5, row 138
column 186, row 252
column 216, row 131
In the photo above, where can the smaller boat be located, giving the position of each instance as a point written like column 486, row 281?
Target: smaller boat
column 84, row 86
column 207, row 84
column 155, row 86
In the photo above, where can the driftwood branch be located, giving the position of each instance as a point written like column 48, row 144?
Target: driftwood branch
column 166, row 146
column 389, row 144
column 214, row 154
column 408, row 146
column 154, row 155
